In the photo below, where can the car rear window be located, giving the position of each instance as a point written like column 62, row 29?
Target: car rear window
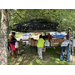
column 25, row 34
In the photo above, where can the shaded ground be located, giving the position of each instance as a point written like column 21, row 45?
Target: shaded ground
column 31, row 58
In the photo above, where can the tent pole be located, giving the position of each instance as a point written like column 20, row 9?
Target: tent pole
column 45, row 33
column 71, row 34
column 69, row 47
column 56, row 34
column 72, row 45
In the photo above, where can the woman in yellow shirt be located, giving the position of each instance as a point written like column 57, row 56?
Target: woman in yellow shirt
column 40, row 46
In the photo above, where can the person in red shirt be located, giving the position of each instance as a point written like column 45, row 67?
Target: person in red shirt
column 67, row 36
column 49, row 37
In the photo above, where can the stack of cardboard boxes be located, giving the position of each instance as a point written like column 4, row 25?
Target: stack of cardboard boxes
column 56, row 42
column 60, row 41
column 30, row 41
column 33, row 42
column 53, row 42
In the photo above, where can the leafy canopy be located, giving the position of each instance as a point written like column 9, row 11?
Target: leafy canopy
column 65, row 17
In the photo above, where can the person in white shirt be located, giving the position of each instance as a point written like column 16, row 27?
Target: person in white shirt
column 65, row 45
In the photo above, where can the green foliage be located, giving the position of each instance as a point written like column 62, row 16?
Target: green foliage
column 65, row 17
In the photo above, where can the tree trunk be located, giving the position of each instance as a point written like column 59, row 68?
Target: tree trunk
column 4, row 36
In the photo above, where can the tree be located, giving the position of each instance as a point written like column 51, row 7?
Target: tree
column 65, row 17
column 4, row 35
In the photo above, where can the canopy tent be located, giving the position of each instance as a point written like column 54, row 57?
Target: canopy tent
column 58, row 35
column 35, row 25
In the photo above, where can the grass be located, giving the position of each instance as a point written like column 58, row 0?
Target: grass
column 27, row 58
column 18, row 35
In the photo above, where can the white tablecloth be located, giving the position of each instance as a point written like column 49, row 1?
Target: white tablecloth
column 47, row 43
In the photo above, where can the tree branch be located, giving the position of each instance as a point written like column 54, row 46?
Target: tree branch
column 27, row 15
column 19, row 15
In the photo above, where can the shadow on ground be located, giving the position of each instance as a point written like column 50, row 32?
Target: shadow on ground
column 29, row 57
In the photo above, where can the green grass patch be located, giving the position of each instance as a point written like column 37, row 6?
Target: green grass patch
column 29, row 57
column 18, row 35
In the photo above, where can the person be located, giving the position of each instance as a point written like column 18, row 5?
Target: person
column 65, row 45
column 40, row 46
column 67, row 37
column 12, row 41
column 49, row 36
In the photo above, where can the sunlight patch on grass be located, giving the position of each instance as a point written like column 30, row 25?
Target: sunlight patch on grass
column 13, row 61
column 52, row 58
column 25, row 61
column 31, row 63
column 38, row 61
column 58, row 59
column 20, row 59
column 17, row 64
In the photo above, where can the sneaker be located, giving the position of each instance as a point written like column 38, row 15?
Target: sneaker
column 68, row 61
column 61, row 60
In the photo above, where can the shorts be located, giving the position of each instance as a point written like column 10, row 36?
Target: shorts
column 13, row 47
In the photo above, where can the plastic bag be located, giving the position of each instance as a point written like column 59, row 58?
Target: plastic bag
column 44, row 49
column 16, row 45
column 47, row 43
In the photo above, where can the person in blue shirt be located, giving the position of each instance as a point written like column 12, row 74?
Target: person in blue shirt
column 12, row 41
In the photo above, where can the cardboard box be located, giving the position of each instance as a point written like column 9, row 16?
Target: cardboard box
column 52, row 42
column 36, row 41
column 44, row 49
column 32, row 42
column 20, row 44
column 61, row 40
column 56, row 42
column 30, row 39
